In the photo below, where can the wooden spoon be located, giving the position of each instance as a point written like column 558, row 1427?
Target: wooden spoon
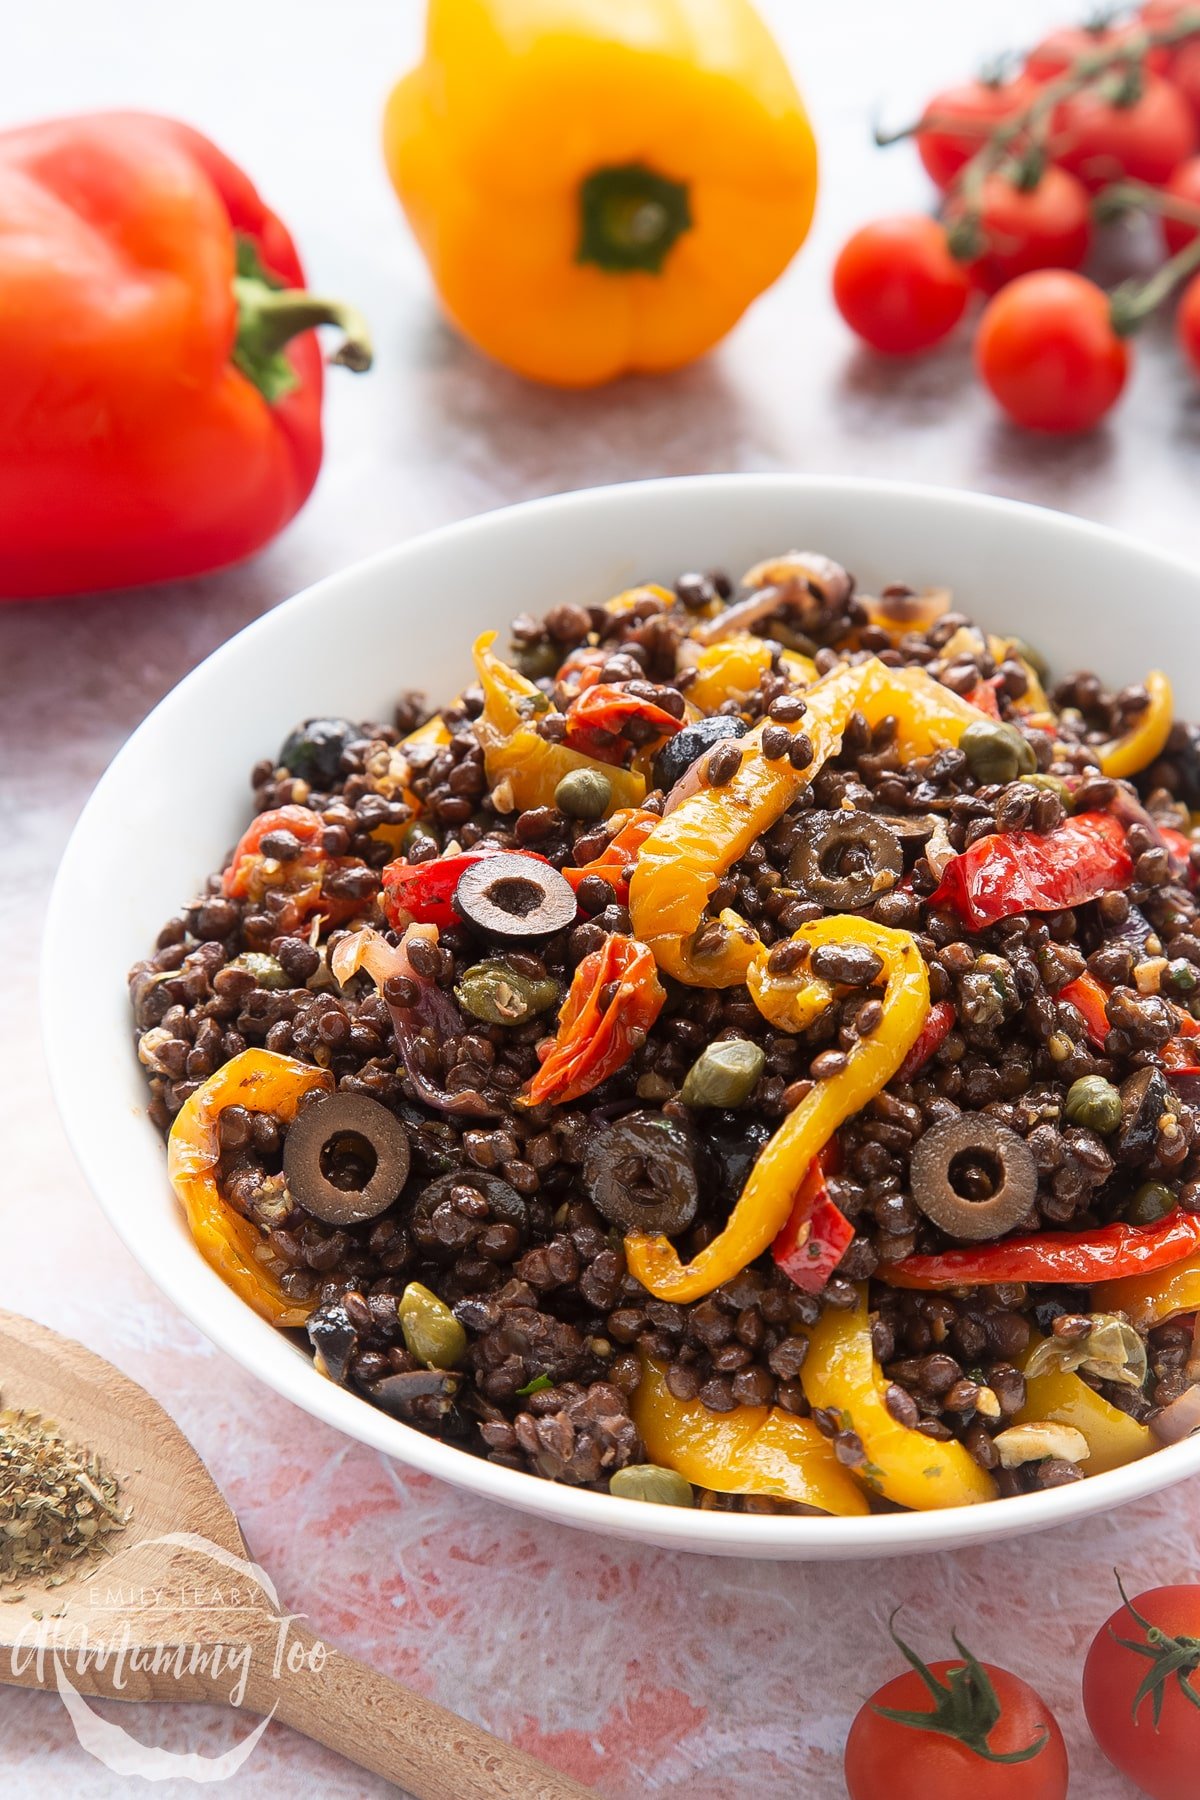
column 155, row 1591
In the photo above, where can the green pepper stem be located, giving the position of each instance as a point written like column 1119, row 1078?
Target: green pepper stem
column 630, row 218
column 268, row 318
column 1131, row 304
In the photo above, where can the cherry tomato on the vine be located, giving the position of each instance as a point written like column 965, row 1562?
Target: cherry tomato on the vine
column 1181, row 63
column 1187, row 323
column 959, row 1730
column 1141, row 1691
column 897, row 285
column 1055, row 54
column 1047, row 226
column 1101, row 140
column 1183, row 185
column 959, row 120
column 1047, row 351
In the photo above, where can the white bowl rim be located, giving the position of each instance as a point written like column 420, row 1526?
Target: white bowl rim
column 293, row 1375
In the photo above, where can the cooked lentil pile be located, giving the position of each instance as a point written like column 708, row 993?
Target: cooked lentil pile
column 746, row 1040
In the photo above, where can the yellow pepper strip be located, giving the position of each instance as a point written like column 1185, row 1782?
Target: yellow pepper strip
column 766, row 1200
column 1141, row 746
column 434, row 734
column 261, row 1081
column 751, row 1450
column 730, row 670
column 802, row 669
column 1152, row 1299
column 521, row 766
column 793, row 1002
column 625, row 601
column 1062, row 1398
column 903, row 1465
column 1033, row 700
column 682, row 861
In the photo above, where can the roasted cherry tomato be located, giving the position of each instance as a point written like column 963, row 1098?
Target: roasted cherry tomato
column 1046, row 226
column 1103, row 140
column 897, row 285
column 614, row 999
column 1141, row 1691
column 1048, row 353
column 957, row 120
column 960, row 1730
column 425, row 891
column 605, row 719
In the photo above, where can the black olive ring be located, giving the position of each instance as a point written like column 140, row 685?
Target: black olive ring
column 1004, row 1158
column 845, row 860
column 352, row 1123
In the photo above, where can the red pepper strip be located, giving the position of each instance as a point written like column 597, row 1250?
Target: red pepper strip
column 1025, row 871
column 1179, row 1057
column 424, row 892
column 1180, row 847
column 615, row 862
column 1050, row 1256
column 1089, row 997
column 814, row 1240
column 598, row 717
column 933, row 1034
column 614, row 999
column 239, row 880
column 983, row 696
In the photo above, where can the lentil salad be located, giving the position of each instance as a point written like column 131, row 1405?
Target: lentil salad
column 740, row 1043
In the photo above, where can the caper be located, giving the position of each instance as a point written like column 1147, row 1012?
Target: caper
column 535, row 661
column 431, row 1332
column 1094, row 1102
column 996, row 752
column 584, row 794
column 1152, row 1202
column 725, row 1074
column 1179, row 976
column 417, row 838
column 647, row 1481
column 1052, row 784
column 266, row 970
column 498, row 995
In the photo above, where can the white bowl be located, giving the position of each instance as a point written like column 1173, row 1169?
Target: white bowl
column 406, row 618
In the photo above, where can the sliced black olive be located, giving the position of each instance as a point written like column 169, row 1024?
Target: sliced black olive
column 515, row 896
column 845, row 860
column 446, row 1238
column 346, row 1158
column 972, row 1177
column 333, row 1338
column 314, row 750
column 1145, row 1097
column 680, row 752
column 913, row 829
column 641, row 1174
column 398, row 1393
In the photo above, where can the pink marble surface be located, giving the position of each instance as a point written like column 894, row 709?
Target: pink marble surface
column 640, row 1672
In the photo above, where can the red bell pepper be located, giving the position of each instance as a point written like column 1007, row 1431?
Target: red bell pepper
column 818, row 1233
column 1078, row 1257
column 614, row 999
column 160, row 381
column 615, row 862
column 598, row 720
column 1180, row 847
column 983, row 697
column 1027, row 871
column 933, row 1034
column 424, row 892
column 1089, row 997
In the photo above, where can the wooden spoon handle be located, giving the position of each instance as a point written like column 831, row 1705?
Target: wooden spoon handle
column 394, row 1732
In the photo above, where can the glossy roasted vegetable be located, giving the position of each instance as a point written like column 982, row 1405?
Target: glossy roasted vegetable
column 1027, row 871
column 751, row 1450
column 1060, row 1397
column 841, row 1374
column 1147, row 738
column 1077, row 1257
column 767, row 1198
column 262, row 1082
column 614, row 999
column 1151, row 1299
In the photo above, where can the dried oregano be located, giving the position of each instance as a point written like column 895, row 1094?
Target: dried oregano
column 58, row 1502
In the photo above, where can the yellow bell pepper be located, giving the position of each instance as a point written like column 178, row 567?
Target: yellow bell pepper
column 1033, row 700
column 682, row 861
column 434, row 734
column 1147, row 740
column 628, row 598
column 261, row 1081
column 600, row 188
column 1152, row 1299
column 521, row 766
column 751, row 1450
column 903, row 1465
column 1062, row 1398
column 802, row 669
column 730, row 670
column 765, row 1203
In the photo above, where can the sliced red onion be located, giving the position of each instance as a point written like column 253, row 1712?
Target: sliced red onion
column 1180, row 1420
column 939, row 850
column 689, row 783
column 432, row 1010
column 742, row 615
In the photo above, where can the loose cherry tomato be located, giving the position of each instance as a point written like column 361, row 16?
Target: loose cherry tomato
column 1047, row 351
column 897, row 285
column 1043, row 227
column 1100, row 140
column 948, row 1730
column 1183, row 185
column 1141, row 1691
column 960, row 118
column 1187, row 323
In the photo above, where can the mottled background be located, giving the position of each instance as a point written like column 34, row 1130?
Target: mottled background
column 641, row 1672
